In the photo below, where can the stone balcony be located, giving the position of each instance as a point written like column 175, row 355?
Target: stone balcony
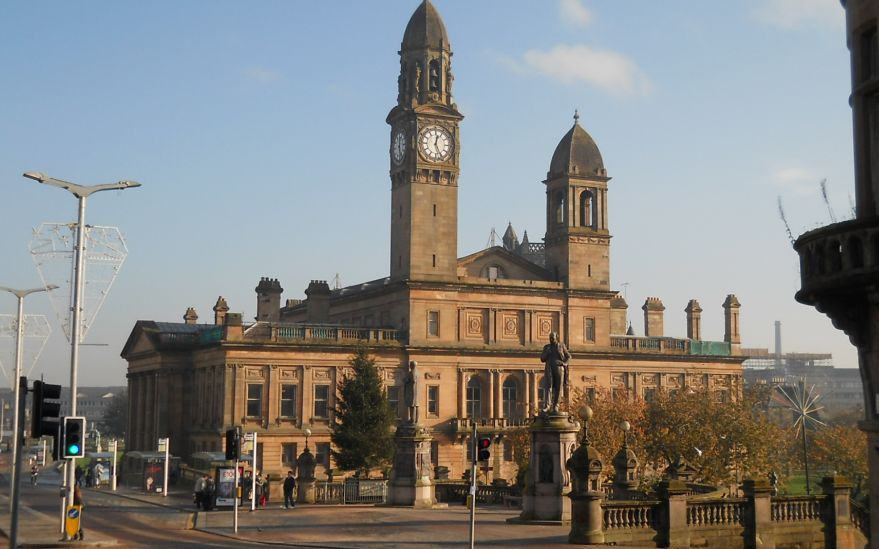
column 462, row 426
column 668, row 346
column 839, row 267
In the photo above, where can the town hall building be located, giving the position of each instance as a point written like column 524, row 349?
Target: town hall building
column 474, row 324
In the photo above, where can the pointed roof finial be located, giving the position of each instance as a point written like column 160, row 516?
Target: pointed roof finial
column 576, row 116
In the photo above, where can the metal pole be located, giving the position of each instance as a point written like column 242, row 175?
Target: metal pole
column 113, row 479
column 253, row 477
column 473, row 490
column 235, row 500
column 19, row 410
column 16, row 468
column 806, row 459
column 63, row 491
column 167, row 458
column 43, row 464
column 76, row 326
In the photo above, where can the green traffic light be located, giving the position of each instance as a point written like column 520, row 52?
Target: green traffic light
column 72, row 449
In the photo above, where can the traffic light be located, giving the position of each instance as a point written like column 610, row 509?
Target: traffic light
column 484, row 447
column 233, row 444
column 44, row 414
column 74, row 437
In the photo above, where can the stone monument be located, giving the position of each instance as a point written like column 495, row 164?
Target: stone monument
column 410, row 482
column 305, row 474
column 585, row 466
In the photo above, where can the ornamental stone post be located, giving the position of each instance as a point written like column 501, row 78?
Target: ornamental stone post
column 585, row 466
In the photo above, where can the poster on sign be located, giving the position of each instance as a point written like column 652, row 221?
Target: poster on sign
column 225, row 486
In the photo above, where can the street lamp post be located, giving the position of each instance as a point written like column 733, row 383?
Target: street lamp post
column 81, row 192
column 19, row 353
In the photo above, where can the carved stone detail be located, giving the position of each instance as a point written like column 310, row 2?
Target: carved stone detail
column 321, row 374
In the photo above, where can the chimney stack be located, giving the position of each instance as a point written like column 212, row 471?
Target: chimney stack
column 618, row 313
column 694, row 320
column 190, row 317
column 220, row 310
column 317, row 306
column 731, row 333
column 268, row 300
column 653, row 309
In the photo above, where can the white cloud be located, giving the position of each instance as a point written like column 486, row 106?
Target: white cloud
column 608, row 70
column 575, row 13
column 794, row 14
column 262, row 75
column 797, row 180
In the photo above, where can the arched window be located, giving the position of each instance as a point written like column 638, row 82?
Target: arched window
column 834, row 254
column 541, row 394
column 587, row 207
column 855, row 253
column 560, row 208
column 511, row 398
column 474, row 399
column 434, row 76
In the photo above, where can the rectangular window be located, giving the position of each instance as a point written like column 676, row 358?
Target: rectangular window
column 589, row 330
column 649, row 394
column 590, row 394
column 394, row 399
column 321, row 400
column 322, row 454
column 508, row 450
column 288, row 400
column 433, row 400
column 254, row 400
column 434, row 452
column 288, row 454
column 433, row 323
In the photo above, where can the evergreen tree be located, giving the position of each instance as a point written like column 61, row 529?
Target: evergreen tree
column 362, row 427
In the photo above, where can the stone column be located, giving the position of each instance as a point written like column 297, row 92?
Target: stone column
column 492, row 391
column 535, row 401
column 673, row 494
column 462, row 394
column 758, row 513
column 838, row 511
column 547, row 485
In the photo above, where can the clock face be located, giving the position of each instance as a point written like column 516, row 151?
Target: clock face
column 435, row 143
column 398, row 146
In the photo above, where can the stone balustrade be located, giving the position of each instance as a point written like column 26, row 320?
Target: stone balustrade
column 837, row 254
column 829, row 519
column 264, row 331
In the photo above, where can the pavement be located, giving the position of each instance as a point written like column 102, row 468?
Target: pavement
column 314, row 526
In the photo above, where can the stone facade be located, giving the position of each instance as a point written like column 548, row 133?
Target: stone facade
column 475, row 324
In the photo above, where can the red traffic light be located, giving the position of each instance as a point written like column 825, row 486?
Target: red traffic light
column 484, row 447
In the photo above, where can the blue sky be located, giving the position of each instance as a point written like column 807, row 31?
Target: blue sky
column 257, row 130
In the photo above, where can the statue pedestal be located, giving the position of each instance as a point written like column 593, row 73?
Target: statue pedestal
column 410, row 483
column 305, row 491
column 553, row 441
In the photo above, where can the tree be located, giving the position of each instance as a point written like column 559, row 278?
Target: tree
column 361, row 431
column 114, row 422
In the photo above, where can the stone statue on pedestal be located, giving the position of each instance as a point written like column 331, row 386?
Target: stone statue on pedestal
column 410, row 392
column 556, row 357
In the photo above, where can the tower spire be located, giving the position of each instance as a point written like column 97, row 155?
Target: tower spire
column 576, row 116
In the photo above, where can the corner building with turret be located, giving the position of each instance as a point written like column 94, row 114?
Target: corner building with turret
column 475, row 324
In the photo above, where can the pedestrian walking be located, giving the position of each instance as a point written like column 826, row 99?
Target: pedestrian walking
column 260, row 490
column 289, row 486
column 99, row 472
column 266, row 492
column 208, row 497
column 89, row 478
column 198, row 491
column 78, row 475
column 77, row 500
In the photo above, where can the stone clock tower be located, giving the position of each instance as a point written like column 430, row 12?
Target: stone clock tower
column 424, row 154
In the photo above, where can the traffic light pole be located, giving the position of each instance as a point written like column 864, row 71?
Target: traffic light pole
column 473, row 488
column 16, row 466
column 235, row 500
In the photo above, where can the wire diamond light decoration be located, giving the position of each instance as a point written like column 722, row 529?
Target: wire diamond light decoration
column 52, row 252
column 35, row 335
column 804, row 406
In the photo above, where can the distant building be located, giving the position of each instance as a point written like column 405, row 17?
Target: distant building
column 841, row 389
column 91, row 402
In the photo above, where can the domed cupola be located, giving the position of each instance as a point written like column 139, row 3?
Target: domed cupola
column 577, row 241
column 425, row 30
column 576, row 154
